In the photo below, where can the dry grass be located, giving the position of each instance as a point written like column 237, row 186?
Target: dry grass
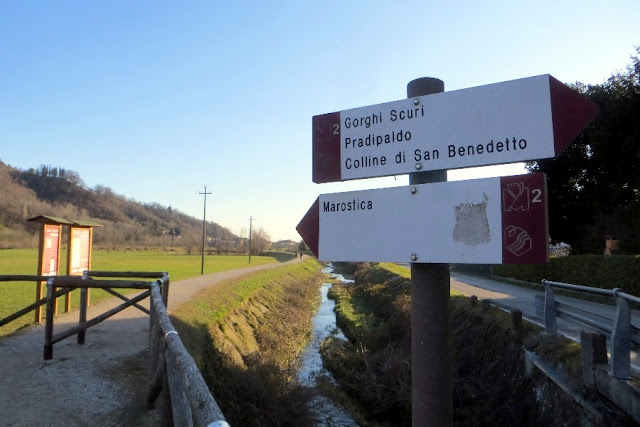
column 246, row 336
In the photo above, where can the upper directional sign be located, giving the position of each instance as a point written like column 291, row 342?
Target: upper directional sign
column 518, row 120
column 491, row 220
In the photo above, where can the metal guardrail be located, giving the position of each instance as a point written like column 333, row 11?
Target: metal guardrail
column 619, row 329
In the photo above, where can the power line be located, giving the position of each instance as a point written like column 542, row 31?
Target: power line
column 204, row 226
column 250, row 225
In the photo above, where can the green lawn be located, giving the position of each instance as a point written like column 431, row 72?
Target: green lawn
column 17, row 295
column 179, row 266
column 406, row 273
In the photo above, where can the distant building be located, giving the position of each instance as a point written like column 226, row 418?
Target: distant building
column 285, row 245
column 558, row 250
column 610, row 245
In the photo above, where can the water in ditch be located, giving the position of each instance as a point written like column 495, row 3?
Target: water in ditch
column 325, row 412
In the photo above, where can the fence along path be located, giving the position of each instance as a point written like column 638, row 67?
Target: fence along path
column 94, row 381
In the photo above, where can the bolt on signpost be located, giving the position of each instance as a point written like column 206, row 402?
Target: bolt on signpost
column 433, row 222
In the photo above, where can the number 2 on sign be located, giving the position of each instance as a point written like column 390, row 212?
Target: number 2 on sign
column 537, row 195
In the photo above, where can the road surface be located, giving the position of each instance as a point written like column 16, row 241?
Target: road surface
column 510, row 297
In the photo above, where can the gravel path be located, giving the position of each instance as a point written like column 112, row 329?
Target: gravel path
column 101, row 382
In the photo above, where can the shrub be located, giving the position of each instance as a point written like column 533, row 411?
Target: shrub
column 600, row 271
column 373, row 368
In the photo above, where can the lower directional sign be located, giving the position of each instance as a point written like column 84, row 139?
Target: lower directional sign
column 484, row 221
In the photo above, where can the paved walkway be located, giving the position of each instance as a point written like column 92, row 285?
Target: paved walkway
column 89, row 384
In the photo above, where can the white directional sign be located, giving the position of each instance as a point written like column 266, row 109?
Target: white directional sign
column 486, row 221
column 513, row 121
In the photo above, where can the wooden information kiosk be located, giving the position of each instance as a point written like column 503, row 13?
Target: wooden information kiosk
column 78, row 252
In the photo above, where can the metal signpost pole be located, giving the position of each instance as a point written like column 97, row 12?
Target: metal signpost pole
column 430, row 342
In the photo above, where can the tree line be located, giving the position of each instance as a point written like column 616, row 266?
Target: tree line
column 594, row 186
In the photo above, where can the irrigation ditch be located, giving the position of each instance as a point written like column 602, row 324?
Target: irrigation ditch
column 505, row 371
column 312, row 373
column 271, row 353
column 248, row 338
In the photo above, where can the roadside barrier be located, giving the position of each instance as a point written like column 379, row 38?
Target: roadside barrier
column 622, row 333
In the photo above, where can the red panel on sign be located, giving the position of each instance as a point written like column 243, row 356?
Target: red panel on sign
column 524, row 219
column 326, row 148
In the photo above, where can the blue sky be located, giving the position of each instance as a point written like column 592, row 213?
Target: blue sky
column 156, row 99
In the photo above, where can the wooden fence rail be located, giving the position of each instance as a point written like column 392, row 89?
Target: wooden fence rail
column 68, row 284
column 173, row 373
column 30, row 307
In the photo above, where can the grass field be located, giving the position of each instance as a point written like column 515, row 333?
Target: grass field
column 406, row 273
column 17, row 295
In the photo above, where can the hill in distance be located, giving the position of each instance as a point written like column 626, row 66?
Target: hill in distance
column 58, row 192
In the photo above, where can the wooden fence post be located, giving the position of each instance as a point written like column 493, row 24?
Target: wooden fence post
column 83, row 313
column 593, row 352
column 154, row 383
column 550, row 324
column 48, row 329
column 516, row 319
column 166, row 411
column 165, row 290
column 180, row 405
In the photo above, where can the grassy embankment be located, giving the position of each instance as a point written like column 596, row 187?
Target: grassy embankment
column 246, row 334
column 373, row 368
column 17, row 295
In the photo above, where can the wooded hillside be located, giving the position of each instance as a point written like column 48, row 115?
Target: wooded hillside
column 57, row 192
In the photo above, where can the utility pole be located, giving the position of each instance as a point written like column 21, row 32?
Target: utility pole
column 250, row 224
column 204, row 226
column 431, row 388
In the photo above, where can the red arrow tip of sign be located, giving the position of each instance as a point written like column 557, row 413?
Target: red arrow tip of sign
column 571, row 113
column 309, row 227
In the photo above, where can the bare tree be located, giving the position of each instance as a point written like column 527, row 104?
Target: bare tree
column 260, row 241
